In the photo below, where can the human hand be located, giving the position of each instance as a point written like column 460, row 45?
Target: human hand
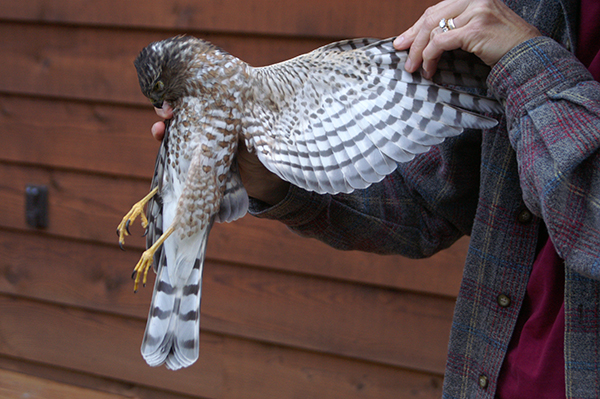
column 486, row 28
column 158, row 129
column 259, row 182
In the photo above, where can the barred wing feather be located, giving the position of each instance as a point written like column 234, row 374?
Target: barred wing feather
column 341, row 117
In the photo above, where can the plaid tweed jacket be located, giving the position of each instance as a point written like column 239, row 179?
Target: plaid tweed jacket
column 540, row 165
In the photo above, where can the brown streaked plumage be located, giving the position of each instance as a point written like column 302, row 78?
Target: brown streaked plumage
column 334, row 120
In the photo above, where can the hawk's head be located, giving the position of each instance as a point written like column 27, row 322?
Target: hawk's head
column 165, row 68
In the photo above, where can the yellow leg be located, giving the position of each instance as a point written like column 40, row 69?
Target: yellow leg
column 146, row 260
column 136, row 210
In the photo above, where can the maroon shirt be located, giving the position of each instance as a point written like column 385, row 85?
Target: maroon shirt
column 588, row 45
column 534, row 366
column 534, row 363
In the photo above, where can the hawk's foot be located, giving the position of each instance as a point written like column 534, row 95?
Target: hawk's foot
column 143, row 265
column 136, row 210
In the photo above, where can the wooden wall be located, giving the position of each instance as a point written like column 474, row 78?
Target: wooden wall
column 282, row 316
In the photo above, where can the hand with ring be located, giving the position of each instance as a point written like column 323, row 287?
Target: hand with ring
column 447, row 25
column 487, row 28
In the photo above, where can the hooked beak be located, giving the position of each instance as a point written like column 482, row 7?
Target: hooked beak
column 157, row 104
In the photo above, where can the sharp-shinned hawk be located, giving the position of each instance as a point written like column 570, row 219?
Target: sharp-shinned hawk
column 331, row 121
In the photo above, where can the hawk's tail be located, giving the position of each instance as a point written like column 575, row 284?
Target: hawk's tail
column 172, row 333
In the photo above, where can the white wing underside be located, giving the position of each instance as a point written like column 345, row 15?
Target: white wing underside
column 342, row 117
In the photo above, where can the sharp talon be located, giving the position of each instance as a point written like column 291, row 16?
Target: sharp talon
column 123, row 230
column 145, row 233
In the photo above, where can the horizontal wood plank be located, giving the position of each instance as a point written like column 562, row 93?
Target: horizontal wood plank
column 100, row 344
column 304, row 312
column 282, row 316
column 89, row 207
column 334, row 18
column 84, row 136
column 97, row 64
column 362, row 322
column 228, row 367
column 17, row 386
column 89, row 381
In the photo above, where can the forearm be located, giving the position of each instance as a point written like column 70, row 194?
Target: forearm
column 422, row 208
column 340, row 222
column 553, row 115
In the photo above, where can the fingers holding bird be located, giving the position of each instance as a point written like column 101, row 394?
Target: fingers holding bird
column 486, row 28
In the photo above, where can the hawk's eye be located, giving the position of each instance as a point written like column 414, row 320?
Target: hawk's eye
column 158, row 86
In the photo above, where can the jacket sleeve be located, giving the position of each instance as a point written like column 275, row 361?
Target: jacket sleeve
column 553, row 115
column 423, row 207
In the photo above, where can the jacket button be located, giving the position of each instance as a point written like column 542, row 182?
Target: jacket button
column 524, row 217
column 503, row 300
column 483, row 381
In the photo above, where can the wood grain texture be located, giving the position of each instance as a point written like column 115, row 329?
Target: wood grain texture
column 229, row 367
column 94, row 382
column 18, row 386
column 282, row 316
column 97, row 64
column 285, row 309
column 82, row 136
column 333, row 18
column 88, row 207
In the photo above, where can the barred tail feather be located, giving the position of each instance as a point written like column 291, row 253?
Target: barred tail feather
column 186, row 342
column 172, row 335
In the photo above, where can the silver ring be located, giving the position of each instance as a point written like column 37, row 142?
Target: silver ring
column 443, row 25
column 451, row 24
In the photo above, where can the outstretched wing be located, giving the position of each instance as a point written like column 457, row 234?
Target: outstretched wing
column 342, row 117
